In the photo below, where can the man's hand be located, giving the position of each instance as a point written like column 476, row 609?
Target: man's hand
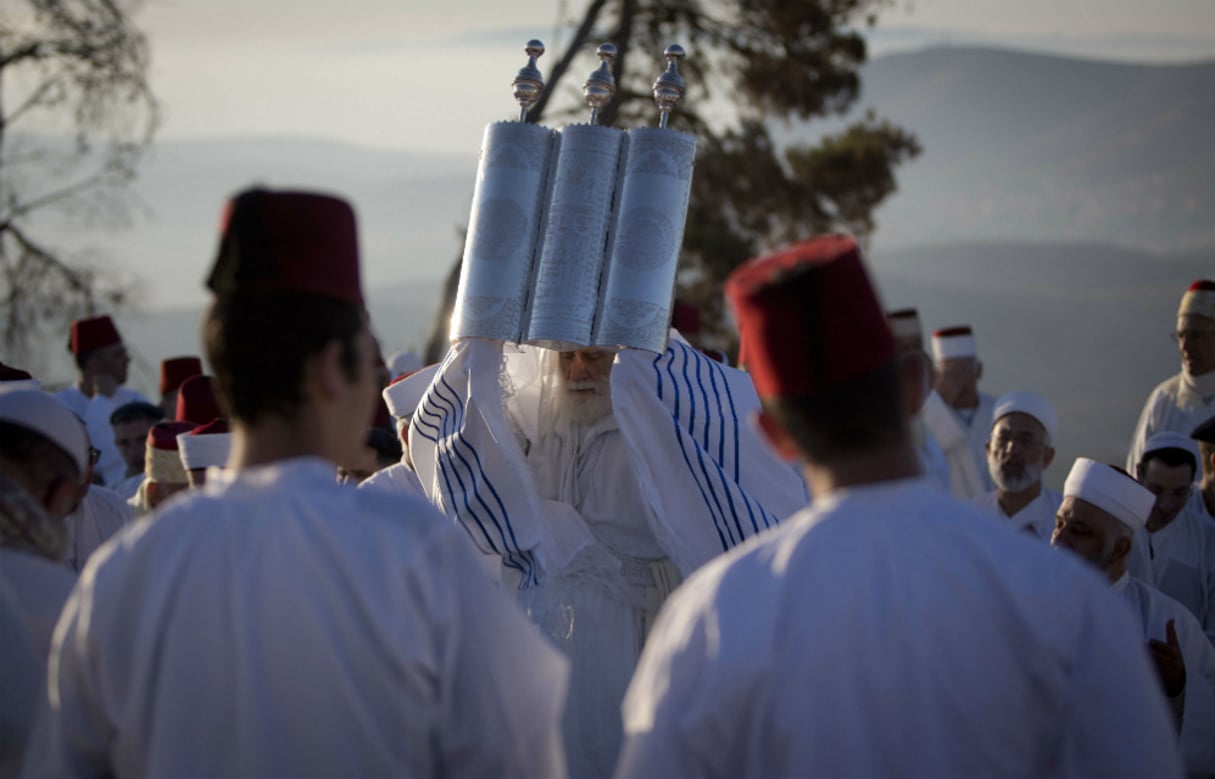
column 1170, row 666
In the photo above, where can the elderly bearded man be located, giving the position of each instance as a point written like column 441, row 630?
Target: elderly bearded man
column 1103, row 510
column 1019, row 449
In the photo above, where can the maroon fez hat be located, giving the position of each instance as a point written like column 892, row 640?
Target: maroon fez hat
column 288, row 242
column 91, row 334
column 196, row 401
column 175, row 370
column 9, row 373
column 808, row 318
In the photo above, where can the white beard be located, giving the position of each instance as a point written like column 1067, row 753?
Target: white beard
column 1028, row 477
column 581, row 409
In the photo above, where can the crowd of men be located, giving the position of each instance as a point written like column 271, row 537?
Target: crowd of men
column 832, row 560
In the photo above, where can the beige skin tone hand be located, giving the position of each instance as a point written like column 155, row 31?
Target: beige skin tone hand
column 1170, row 666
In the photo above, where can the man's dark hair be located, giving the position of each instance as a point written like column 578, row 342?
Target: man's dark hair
column 1172, row 457
column 845, row 419
column 386, row 445
column 257, row 343
column 136, row 411
column 42, row 460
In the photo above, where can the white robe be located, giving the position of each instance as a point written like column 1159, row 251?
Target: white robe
column 1196, row 506
column 1173, row 406
column 398, row 478
column 99, row 516
column 22, row 681
column 128, row 487
column 1037, row 517
column 95, row 412
column 276, row 623
column 892, row 631
column 1153, row 610
column 42, row 587
column 1179, row 560
column 968, row 475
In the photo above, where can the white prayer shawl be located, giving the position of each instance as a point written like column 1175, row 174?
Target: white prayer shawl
column 99, row 516
column 932, row 459
column 1037, row 517
column 1153, row 610
column 1179, row 560
column 1175, row 405
column 892, row 631
column 952, row 435
column 708, row 479
column 1196, row 505
column 41, row 586
column 276, row 623
column 95, row 412
column 398, row 478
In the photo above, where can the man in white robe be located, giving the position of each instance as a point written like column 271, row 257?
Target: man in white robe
column 924, row 407
column 888, row 630
column 131, row 424
column 43, row 458
column 597, row 481
column 273, row 622
column 1175, row 550
column 1020, row 449
column 1181, row 403
column 22, row 679
column 1103, row 512
column 955, row 357
column 1202, row 499
column 402, row 396
column 102, row 361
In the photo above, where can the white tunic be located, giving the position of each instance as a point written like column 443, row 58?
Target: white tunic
column 1179, row 560
column 127, row 488
column 1153, row 610
column 42, row 587
column 1037, row 517
column 95, row 412
column 22, row 681
column 1196, row 505
column 276, row 623
column 967, row 474
column 100, row 515
column 398, row 478
column 1173, row 406
column 891, row 631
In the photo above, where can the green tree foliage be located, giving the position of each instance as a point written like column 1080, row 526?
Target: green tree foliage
column 76, row 114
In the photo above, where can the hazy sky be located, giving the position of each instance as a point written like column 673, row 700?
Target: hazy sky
column 429, row 76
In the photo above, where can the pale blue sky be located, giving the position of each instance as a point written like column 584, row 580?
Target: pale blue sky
column 429, row 76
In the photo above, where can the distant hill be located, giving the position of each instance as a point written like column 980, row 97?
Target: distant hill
column 1021, row 146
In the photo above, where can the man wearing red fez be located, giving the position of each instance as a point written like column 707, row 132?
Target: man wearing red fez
column 965, row 411
column 173, row 373
column 102, row 360
column 919, row 397
column 1183, row 402
column 887, row 630
column 274, row 622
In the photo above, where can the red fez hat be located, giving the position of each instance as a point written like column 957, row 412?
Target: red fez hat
column 196, row 401
column 92, row 334
column 9, row 373
column 288, row 242
column 163, row 435
column 175, row 370
column 685, row 317
column 808, row 317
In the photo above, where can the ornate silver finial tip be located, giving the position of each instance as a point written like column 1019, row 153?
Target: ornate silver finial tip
column 529, row 82
column 600, row 87
column 669, row 87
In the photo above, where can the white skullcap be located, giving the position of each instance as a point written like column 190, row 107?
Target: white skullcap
column 905, row 323
column 404, row 362
column 205, row 445
column 1171, row 440
column 1110, row 490
column 953, row 342
column 1029, row 403
column 47, row 416
column 405, row 392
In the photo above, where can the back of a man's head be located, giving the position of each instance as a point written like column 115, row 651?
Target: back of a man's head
column 822, row 355
column 286, row 284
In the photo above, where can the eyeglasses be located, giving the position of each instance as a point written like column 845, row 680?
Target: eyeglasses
column 1025, row 440
column 1194, row 336
column 94, row 455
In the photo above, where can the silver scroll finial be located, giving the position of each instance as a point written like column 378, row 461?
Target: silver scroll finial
column 529, row 82
column 600, row 87
column 668, row 87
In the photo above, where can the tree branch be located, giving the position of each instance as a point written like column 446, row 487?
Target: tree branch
column 567, row 58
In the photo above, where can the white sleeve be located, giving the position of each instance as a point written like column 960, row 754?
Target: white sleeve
column 1143, row 430
column 502, row 686
column 1198, row 728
